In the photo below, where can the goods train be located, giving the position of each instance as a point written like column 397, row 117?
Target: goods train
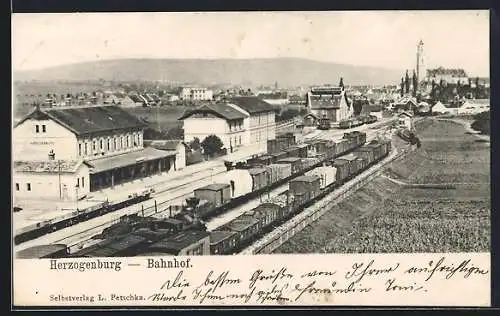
column 48, row 226
column 303, row 192
column 140, row 236
column 357, row 121
column 261, row 174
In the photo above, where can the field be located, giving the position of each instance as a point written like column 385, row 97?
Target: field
column 436, row 200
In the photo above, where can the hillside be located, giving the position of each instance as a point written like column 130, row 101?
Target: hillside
column 286, row 71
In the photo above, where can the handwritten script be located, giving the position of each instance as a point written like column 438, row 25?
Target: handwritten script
column 370, row 279
column 284, row 285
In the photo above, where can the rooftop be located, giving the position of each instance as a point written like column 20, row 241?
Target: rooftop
column 221, row 110
column 289, row 159
column 39, row 251
column 254, row 171
column 163, row 144
column 240, row 224
column 252, row 105
column 88, row 120
column 48, row 166
column 180, row 241
column 217, row 236
column 128, row 159
column 312, row 178
column 214, row 187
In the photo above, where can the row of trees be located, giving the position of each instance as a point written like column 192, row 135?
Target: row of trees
column 444, row 92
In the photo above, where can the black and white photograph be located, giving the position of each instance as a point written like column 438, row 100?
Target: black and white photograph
column 250, row 133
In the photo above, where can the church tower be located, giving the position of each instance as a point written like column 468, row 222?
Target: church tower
column 420, row 64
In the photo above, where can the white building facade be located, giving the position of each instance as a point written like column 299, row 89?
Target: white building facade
column 84, row 149
column 241, row 121
column 196, row 94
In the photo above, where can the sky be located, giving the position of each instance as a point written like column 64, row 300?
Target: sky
column 458, row 39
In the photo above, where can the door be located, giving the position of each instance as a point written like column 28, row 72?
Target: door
column 65, row 192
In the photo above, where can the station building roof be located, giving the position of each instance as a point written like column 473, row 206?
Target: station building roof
column 252, row 104
column 128, row 159
column 221, row 110
column 88, row 120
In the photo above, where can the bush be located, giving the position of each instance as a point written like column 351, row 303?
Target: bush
column 212, row 145
column 482, row 123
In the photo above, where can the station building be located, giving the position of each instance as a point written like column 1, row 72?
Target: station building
column 241, row 121
column 329, row 102
column 68, row 152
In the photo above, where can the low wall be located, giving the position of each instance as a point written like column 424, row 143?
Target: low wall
column 280, row 235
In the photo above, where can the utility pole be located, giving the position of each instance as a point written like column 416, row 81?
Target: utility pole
column 59, row 175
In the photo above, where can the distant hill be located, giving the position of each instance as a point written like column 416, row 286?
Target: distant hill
column 286, row 71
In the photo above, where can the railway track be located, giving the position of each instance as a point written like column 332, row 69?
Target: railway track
column 212, row 224
column 77, row 240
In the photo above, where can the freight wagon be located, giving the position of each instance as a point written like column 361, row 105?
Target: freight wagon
column 243, row 230
column 303, row 192
column 78, row 216
column 265, row 178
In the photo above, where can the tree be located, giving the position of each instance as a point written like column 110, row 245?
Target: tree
column 195, row 144
column 407, row 83
column 341, row 83
column 211, row 145
column 415, row 83
column 287, row 114
column 402, row 90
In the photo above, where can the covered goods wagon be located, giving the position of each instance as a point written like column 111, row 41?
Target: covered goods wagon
column 327, row 175
column 342, row 167
column 43, row 251
column 260, row 161
column 294, row 162
column 279, row 171
column 240, row 181
column 216, row 193
column 260, row 178
column 278, row 156
column 354, row 166
column 222, row 242
column 309, row 185
column 245, row 228
column 366, row 153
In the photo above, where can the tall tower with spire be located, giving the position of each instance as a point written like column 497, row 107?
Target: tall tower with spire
column 420, row 63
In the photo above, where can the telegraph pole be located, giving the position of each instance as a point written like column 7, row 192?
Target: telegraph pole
column 59, row 174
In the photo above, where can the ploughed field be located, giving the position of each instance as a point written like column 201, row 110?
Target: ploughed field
column 436, row 199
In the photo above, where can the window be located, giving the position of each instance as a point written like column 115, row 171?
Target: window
column 17, row 186
column 93, row 145
column 28, row 186
column 100, row 143
column 240, row 140
column 43, row 129
column 83, row 182
column 79, row 149
column 77, row 182
column 121, row 142
column 114, row 143
column 37, row 128
column 85, row 149
column 108, row 144
column 128, row 144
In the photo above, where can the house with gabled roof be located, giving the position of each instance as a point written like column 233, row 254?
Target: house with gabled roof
column 107, row 138
column 329, row 102
column 239, row 121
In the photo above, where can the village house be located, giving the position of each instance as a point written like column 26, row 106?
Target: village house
column 93, row 147
column 238, row 122
column 329, row 102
